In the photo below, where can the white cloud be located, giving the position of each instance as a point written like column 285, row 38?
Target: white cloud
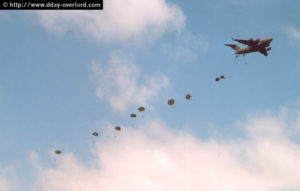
column 118, row 82
column 298, row 124
column 293, row 32
column 4, row 184
column 186, row 48
column 152, row 157
column 119, row 21
column 6, row 178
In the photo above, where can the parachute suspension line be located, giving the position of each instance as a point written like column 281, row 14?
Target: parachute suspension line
column 141, row 109
column 245, row 61
column 236, row 59
column 95, row 134
column 266, row 58
column 171, row 102
column 133, row 115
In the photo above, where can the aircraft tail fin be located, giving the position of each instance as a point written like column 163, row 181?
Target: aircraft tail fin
column 233, row 46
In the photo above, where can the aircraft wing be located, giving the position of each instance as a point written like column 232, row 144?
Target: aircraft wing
column 249, row 42
column 263, row 51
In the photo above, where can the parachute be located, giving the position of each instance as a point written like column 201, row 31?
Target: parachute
column 58, row 152
column 133, row 115
column 118, row 128
column 171, row 102
column 188, row 96
column 141, row 109
column 95, row 134
column 222, row 77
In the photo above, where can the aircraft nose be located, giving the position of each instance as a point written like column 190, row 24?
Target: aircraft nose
column 270, row 39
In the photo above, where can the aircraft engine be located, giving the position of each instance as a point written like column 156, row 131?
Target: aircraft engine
column 269, row 48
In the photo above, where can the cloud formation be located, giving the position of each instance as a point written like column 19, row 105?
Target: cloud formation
column 118, row 82
column 187, row 47
column 293, row 32
column 119, row 21
column 6, row 179
column 152, row 157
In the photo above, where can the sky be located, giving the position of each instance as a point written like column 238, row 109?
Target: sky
column 67, row 74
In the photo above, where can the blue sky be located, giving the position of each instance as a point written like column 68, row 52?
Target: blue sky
column 65, row 74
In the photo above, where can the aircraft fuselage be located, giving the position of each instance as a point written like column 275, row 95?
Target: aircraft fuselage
column 262, row 44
